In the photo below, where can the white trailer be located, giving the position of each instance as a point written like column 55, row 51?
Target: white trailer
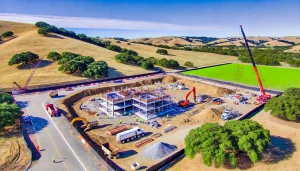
column 131, row 134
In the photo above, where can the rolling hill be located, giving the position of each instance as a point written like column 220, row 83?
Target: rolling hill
column 198, row 58
column 28, row 40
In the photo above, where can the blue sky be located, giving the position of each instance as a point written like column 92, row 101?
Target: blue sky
column 150, row 18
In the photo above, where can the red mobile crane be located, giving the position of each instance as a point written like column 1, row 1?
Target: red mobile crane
column 186, row 102
column 23, row 89
column 263, row 97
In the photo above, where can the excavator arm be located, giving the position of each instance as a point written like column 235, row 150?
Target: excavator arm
column 85, row 121
column 189, row 93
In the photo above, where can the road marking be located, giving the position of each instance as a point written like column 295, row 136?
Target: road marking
column 50, row 138
column 83, row 167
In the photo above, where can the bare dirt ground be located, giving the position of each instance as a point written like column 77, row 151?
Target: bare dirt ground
column 196, row 114
column 48, row 72
column 198, row 58
column 282, row 155
column 13, row 150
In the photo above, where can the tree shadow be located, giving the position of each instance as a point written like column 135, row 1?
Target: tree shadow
column 29, row 66
column 279, row 149
column 22, row 104
column 128, row 153
column 244, row 162
column 54, row 36
column 38, row 124
column 113, row 73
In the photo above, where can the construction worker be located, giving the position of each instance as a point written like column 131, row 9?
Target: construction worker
column 107, row 117
column 53, row 159
column 120, row 121
column 167, row 115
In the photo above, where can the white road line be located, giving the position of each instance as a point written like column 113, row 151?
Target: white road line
column 43, row 105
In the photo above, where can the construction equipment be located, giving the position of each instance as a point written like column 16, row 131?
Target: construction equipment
column 86, row 124
column 228, row 114
column 52, row 109
column 111, row 150
column 53, row 94
column 21, row 89
column 131, row 134
column 180, row 85
column 186, row 102
column 263, row 97
column 201, row 98
column 217, row 101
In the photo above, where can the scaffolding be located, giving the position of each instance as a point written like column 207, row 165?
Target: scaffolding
column 146, row 104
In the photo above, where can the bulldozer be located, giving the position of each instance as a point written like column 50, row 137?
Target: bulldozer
column 88, row 125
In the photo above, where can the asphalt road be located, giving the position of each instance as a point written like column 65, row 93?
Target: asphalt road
column 51, row 141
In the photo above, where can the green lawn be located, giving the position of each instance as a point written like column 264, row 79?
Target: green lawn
column 277, row 78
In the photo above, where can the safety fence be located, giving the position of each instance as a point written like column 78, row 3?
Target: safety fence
column 54, row 86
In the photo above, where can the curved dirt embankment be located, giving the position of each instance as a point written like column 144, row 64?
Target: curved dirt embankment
column 13, row 152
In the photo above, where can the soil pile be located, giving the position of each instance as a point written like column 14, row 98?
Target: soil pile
column 169, row 79
column 211, row 90
column 158, row 150
column 208, row 115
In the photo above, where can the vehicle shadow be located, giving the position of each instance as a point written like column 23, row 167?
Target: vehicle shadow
column 279, row 149
column 127, row 153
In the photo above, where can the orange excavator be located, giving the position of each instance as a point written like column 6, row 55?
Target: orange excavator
column 186, row 102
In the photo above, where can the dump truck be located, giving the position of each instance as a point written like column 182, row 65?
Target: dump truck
column 111, row 150
column 52, row 109
column 53, row 94
column 130, row 134
column 228, row 114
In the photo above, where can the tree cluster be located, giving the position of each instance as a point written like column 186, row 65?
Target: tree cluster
column 189, row 64
column 84, row 65
column 7, row 34
column 54, row 56
column 131, row 59
column 221, row 144
column 23, row 58
column 287, row 106
column 172, row 64
column 9, row 111
column 162, row 51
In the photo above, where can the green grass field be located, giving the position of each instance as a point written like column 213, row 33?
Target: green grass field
column 277, row 78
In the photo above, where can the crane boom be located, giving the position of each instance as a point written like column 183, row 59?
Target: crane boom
column 264, row 97
column 253, row 63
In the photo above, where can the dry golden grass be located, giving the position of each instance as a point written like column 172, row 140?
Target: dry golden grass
column 180, row 41
column 17, row 28
column 198, row 58
column 276, row 43
column 236, row 43
column 48, row 71
column 294, row 49
column 222, row 40
column 295, row 39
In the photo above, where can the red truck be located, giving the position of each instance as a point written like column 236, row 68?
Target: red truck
column 52, row 109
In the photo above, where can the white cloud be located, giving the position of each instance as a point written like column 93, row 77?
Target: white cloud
column 101, row 23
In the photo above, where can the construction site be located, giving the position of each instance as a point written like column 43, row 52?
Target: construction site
column 139, row 124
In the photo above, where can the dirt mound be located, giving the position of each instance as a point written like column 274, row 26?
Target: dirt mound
column 169, row 79
column 208, row 115
column 211, row 90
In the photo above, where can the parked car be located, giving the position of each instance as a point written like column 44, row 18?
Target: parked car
column 118, row 81
column 68, row 89
column 27, row 120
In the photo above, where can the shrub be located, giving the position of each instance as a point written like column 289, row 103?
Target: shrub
column 129, row 52
column 162, row 51
column 188, row 64
column 96, row 70
column 286, row 106
column 9, row 113
column 6, row 98
column 43, row 31
column 41, row 24
column 147, row 65
column 54, row 56
column 7, row 34
column 23, row 57
column 114, row 48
